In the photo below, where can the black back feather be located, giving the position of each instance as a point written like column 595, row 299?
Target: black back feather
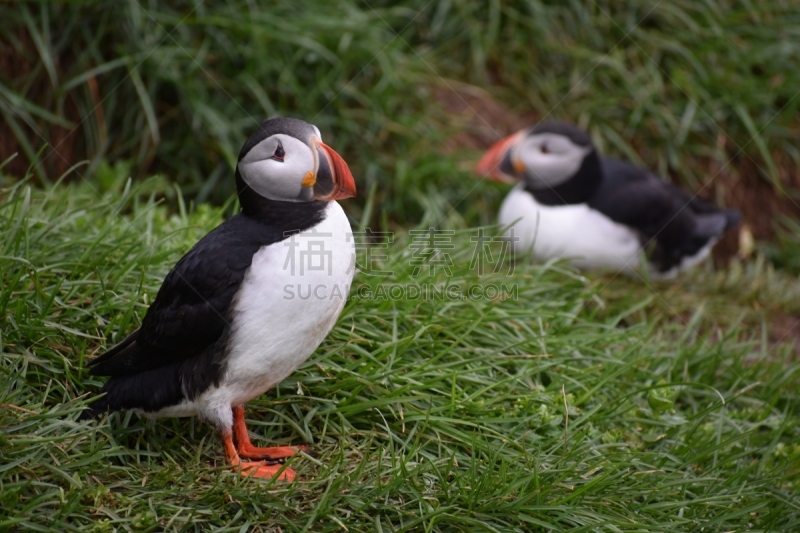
column 179, row 350
column 679, row 225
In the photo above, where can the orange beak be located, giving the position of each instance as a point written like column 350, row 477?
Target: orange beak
column 489, row 165
column 334, row 180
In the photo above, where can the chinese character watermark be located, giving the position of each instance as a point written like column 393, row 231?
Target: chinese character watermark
column 313, row 258
column 374, row 245
column 428, row 251
column 315, row 251
column 482, row 253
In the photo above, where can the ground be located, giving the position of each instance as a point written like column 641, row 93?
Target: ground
column 553, row 401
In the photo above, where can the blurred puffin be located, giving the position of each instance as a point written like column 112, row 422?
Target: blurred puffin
column 223, row 328
column 598, row 212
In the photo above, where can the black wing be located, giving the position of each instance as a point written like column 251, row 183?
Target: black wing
column 679, row 223
column 179, row 350
column 190, row 311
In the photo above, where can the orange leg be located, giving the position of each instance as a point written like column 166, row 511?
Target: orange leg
column 255, row 469
column 248, row 451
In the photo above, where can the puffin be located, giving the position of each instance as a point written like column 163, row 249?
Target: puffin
column 597, row 212
column 249, row 303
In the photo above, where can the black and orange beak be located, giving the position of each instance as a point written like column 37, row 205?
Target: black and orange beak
column 333, row 180
column 490, row 163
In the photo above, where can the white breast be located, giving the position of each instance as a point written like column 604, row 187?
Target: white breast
column 289, row 301
column 576, row 232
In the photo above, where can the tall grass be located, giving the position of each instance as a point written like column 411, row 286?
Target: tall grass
column 655, row 81
column 683, row 87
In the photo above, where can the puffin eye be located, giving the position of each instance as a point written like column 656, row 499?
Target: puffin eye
column 279, row 153
column 544, row 149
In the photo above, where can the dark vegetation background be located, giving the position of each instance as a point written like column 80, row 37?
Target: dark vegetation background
column 703, row 92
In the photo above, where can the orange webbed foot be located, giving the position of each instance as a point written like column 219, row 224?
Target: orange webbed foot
column 270, row 454
column 264, row 471
column 257, row 469
column 269, row 467
column 246, row 448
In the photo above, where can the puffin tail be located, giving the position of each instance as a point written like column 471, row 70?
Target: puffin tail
column 708, row 228
column 732, row 218
column 713, row 225
column 94, row 410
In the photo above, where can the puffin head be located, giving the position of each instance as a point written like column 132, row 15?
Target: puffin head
column 545, row 157
column 285, row 160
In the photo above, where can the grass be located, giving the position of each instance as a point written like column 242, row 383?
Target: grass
column 592, row 403
column 705, row 92
column 785, row 253
column 585, row 404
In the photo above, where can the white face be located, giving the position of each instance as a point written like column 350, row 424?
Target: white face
column 281, row 167
column 550, row 159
